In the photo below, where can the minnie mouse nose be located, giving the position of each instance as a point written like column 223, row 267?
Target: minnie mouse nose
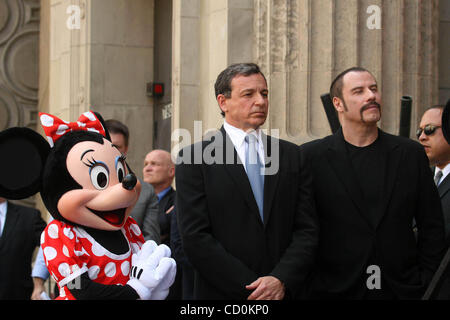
column 129, row 181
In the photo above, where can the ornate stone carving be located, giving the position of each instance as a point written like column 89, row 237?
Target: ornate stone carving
column 9, row 110
column 19, row 51
column 19, row 64
column 11, row 12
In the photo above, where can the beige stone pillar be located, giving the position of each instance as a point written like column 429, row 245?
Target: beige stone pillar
column 207, row 37
column 303, row 44
column 102, row 62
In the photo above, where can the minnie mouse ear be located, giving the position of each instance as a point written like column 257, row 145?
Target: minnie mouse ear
column 446, row 122
column 23, row 156
column 102, row 121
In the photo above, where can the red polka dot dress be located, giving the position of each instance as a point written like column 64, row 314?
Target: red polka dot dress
column 69, row 251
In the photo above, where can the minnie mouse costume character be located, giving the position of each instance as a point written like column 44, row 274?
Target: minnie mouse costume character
column 92, row 248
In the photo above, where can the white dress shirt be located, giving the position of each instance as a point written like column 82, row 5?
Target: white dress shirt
column 445, row 172
column 3, row 208
column 237, row 136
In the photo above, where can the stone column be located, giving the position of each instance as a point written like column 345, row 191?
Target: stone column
column 207, row 37
column 303, row 44
column 101, row 57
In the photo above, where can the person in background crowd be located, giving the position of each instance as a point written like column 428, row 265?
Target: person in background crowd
column 438, row 152
column 20, row 233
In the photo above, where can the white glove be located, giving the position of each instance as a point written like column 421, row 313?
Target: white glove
column 167, row 270
column 138, row 262
column 152, row 270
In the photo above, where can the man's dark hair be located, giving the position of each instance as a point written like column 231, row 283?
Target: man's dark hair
column 117, row 127
column 223, row 81
column 337, row 84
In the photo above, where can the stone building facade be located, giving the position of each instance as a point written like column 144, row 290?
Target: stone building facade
column 69, row 56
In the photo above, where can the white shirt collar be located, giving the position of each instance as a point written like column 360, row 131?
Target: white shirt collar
column 445, row 172
column 3, row 208
column 237, row 137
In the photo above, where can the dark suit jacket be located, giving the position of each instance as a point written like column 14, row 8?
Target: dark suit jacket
column 165, row 224
column 145, row 212
column 223, row 235
column 21, row 235
column 444, row 194
column 165, row 218
column 349, row 241
column 184, row 268
column 443, row 291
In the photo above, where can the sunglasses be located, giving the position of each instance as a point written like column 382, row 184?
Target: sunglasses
column 429, row 129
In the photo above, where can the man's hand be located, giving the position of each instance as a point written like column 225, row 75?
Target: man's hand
column 38, row 288
column 266, row 288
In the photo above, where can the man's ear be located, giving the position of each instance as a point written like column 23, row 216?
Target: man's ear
column 222, row 102
column 338, row 104
column 172, row 171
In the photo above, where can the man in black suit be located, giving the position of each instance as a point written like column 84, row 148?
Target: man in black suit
column 368, row 187
column 244, row 205
column 437, row 149
column 438, row 152
column 20, row 232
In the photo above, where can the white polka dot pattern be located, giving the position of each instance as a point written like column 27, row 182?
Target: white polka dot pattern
column 69, row 251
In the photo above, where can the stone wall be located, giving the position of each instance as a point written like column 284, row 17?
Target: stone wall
column 301, row 46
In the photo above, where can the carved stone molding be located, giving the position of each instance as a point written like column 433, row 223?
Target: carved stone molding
column 10, row 114
column 19, row 52
column 11, row 12
column 19, row 64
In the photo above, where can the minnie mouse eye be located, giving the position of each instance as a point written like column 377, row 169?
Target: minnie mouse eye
column 120, row 171
column 99, row 177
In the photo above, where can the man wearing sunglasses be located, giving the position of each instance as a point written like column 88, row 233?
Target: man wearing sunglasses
column 437, row 149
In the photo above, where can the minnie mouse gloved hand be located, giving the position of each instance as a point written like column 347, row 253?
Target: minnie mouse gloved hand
column 152, row 271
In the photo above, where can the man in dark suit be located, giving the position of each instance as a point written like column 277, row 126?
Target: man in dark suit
column 244, row 205
column 438, row 152
column 368, row 187
column 437, row 149
column 20, row 232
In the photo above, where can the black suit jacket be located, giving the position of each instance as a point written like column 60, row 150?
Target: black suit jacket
column 443, row 291
column 350, row 242
column 21, row 235
column 222, row 232
column 444, row 194
column 164, row 218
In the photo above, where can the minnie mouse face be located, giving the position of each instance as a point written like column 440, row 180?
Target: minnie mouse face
column 83, row 179
column 104, row 200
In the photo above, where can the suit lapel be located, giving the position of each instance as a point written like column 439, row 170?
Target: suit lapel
column 236, row 171
column 390, row 166
column 444, row 186
column 12, row 216
column 338, row 159
column 271, row 147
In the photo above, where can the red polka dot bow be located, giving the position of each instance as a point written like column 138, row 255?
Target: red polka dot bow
column 55, row 128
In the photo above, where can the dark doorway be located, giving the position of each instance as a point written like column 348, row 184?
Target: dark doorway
column 163, row 73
